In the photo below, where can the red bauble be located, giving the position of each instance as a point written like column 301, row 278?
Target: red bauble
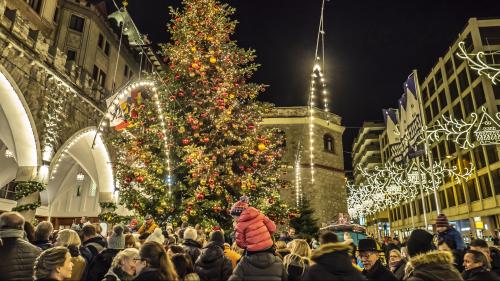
column 217, row 209
column 180, row 94
column 139, row 179
column 205, row 140
column 200, row 196
column 128, row 179
column 251, row 126
column 195, row 127
column 185, row 141
column 254, row 164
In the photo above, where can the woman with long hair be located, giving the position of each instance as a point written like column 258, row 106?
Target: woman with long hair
column 154, row 264
column 184, row 267
column 297, row 262
column 53, row 264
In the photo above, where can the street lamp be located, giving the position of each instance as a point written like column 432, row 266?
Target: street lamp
column 80, row 176
column 9, row 154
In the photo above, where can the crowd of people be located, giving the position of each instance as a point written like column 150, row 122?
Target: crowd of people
column 188, row 253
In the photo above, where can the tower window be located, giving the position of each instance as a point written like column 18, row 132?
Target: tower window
column 328, row 143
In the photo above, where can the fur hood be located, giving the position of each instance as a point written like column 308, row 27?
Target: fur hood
column 434, row 257
column 330, row 248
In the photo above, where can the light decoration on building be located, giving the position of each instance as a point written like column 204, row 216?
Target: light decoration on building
column 317, row 73
column 9, row 154
column 483, row 130
column 80, row 176
column 389, row 185
column 478, row 63
column 298, row 179
column 114, row 110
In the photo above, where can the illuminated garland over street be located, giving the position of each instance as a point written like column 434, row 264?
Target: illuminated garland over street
column 389, row 185
column 482, row 131
column 478, row 63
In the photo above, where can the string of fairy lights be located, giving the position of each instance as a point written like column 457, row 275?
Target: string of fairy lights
column 317, row 74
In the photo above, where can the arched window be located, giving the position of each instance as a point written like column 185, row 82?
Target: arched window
column 328, row 142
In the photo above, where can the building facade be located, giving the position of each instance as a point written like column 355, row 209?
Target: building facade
column 327, row 194
column 452, row 88
column 52, row 99
column 366, row 148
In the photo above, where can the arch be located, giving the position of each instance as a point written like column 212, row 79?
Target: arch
column 77, row 155
column 19, row 133
column 329, row 144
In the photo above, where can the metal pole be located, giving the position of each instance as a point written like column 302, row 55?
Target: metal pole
column 427, row 147
column 422, row 191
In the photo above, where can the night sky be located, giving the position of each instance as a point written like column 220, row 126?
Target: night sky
column 371, row 46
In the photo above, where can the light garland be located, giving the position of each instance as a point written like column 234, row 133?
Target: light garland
column 477, row 62
column 114, row 107
column 484, row 130
column 298, row 180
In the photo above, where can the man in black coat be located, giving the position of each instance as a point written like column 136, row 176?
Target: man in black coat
column 212, row 264
column 332, row 262
column 369, row 252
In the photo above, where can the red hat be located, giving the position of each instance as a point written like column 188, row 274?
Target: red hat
column 239, row 206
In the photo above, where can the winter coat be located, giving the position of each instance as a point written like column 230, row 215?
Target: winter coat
column 283, row 252
column 495, row 260
column 232, row 256
column 192, row 248
column 453, row 234
column 149, row 274
column 432, row 266
column 399, row 271
column 45, row 279
column 79, row 265
column 101, row 264
column 117, row 274
column 254, row 230
column 480, row 274
column 332, row 261
column 44, row 245
column 258, row 266
column 147, row 228
column 212, row 264
column 95, row 245
column 379, row 272
column 17, row 258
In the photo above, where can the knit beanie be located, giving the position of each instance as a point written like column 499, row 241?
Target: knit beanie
column 117, row 239
column 156, row 236
column 217, row 237
column 442, row 221
column 239, row 206
column 420, row 242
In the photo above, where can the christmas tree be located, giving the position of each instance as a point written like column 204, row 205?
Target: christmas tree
column 219, row 149
column 305, row 224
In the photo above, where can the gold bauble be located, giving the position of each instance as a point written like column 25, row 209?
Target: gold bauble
column 261, row 147
column 182, row 130
column 193, row 213
column 184, row 218
column 213, row 60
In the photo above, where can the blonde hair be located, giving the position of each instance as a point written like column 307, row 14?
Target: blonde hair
column 299, row 253
column 190, row 233
column 48, row 261
column 67, row 237
column 280, row 244
column 126, row 254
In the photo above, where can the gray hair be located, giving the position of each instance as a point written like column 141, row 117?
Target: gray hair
column 190, row 233
column 126, row 254
column 11, row 220
column 67, row 237
column 43, row 230
column 48, row 261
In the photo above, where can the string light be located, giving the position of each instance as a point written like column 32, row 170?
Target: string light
column 477, row 62
column 298, row 179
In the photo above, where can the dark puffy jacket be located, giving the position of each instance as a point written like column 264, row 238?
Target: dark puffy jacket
column 432, row 266
column 480, row 274
column 101, row 263
column 332, row 262
column 258, row 266
column 495, row 260
column 212, row 264
column 399, row 271
column 192, row 248
column 379, row 272
column 149, row 274
column 95, row 245
column 17, row 258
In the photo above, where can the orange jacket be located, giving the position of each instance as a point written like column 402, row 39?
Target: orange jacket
column 149, row 230
column 254, row 230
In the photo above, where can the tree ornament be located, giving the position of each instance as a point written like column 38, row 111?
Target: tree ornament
column 139, row 179
column 261, row 147
column 184, row 218
column 200, row 196
column 213, row 60
column 185, row 141
column 193, row 213
column 217, row 209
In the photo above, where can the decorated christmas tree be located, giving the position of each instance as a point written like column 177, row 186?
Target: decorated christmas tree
column 218, row 148
column 305, row 224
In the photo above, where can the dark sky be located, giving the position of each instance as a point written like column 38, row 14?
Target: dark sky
column 371, row 46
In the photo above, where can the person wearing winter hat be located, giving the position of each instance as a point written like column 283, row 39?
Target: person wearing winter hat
column 426, row 263
column 190, row 243
column 156, row 236
column 445, row 232
column 212, row 264
column 253, row 229
column 102, row 262
column 369, row 253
